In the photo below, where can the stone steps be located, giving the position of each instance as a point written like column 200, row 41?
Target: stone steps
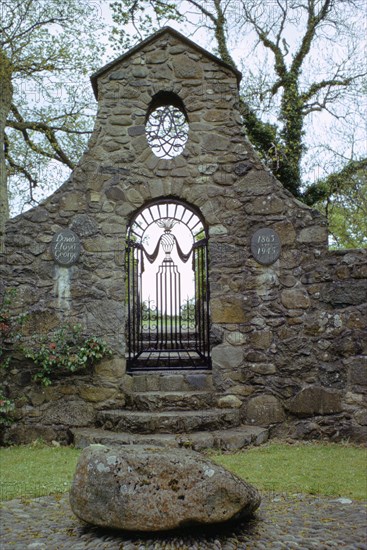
column 172, row 421
column 174, row 409
column 232, row 439
column 175, row 400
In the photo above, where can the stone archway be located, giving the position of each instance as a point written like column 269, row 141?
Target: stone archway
column 167, row 288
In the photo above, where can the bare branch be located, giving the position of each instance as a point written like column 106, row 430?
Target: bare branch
column 23, row 126
column 284, row 9
column 312, row 23
column 318, row 86
column 279, row 65
column 203, row 10
column 220, row 35
column 17, row 168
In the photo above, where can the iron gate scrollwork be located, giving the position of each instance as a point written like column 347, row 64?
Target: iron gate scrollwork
column 165, row 328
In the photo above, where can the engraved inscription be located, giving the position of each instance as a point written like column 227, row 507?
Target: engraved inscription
column 265, row 246
column 65, row 247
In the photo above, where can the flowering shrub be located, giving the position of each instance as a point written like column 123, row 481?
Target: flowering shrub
column 64, row 350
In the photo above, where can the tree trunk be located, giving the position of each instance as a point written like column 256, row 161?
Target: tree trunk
column 6, row 94
column 292, row 134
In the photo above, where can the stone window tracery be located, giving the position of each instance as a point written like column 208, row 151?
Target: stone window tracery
column 167, row 126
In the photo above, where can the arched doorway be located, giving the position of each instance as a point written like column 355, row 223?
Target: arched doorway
column 167, row 288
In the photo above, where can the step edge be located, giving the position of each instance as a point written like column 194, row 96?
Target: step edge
column 179, row 412
column 258, row 435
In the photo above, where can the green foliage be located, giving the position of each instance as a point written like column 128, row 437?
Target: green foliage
column 262, row 135
column 146, row 18
column 342, row 197
column 65, row 350
column 49, row 49
column 328, row 469
column 347, row 217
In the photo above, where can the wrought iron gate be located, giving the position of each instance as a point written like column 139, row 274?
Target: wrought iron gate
column 167, row 330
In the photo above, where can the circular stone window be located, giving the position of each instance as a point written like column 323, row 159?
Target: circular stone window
column 167, row 131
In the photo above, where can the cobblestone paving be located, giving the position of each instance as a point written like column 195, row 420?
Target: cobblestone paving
column 282, row 522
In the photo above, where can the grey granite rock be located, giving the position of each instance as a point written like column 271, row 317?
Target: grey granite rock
column 141, row 488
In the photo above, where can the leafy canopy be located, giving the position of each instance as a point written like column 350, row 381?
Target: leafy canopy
column 49, row 48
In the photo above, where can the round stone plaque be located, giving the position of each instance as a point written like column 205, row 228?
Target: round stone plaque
column 65, row 247
column 265, row 246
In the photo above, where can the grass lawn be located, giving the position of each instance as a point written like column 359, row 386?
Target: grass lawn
column 36, row 470
column 328, row 469
column 313, row 468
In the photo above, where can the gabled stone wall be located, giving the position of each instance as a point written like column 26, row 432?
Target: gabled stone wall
column 288, row 339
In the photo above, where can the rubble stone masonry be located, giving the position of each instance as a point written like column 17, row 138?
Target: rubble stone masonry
column 288, row 339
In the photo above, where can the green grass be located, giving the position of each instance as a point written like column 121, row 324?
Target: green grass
column 334, row 470
column 36, row 470
column 327, row 469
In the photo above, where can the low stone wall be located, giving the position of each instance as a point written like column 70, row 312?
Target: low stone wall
column 311, row 381
column 71, row 401
column 298, row 368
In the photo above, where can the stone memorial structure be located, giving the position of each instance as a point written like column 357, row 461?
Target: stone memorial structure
column 272, row 337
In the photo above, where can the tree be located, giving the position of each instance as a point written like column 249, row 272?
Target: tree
column 342, row 197
column 44, row 114
column 302, row 63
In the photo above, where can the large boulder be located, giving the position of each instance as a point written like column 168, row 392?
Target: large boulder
column 140, row 488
